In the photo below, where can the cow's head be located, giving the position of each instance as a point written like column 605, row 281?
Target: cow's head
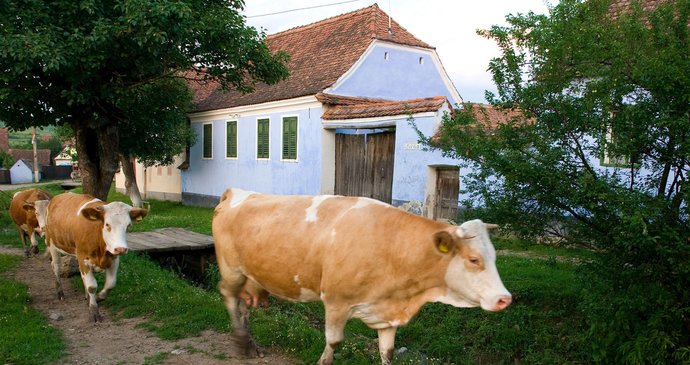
column 39, row 211
column 116, row 218
column 472, row 278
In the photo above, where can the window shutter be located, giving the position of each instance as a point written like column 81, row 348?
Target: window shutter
column 231, row 145
column 262, row 142
column 290, row 138
column 208, row 141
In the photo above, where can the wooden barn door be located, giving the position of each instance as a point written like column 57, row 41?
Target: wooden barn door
column 364, row 165
column 447, row 189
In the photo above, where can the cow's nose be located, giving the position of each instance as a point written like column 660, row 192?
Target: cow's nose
column 503, row 302
column 120, row 250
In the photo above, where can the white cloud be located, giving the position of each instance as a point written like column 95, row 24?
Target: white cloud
column 448, row 25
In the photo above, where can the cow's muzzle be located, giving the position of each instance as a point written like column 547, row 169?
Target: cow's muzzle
column 499, row 303
column 119, row 251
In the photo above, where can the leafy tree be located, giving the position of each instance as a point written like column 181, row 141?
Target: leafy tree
column 76, row 63
column 6, row 160
column 588, row 84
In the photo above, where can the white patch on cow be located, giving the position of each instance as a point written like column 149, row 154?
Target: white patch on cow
column 365, row 202
column 24, row 227
column 239, row 196
column 314, row 207
column 61, row 251
column 15, row 194
column 306, row 295
column 296, row 279
column 94, row 200
column 116, row 220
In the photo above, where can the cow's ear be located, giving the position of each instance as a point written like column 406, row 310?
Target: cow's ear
column 137, row 214
column 444, row 242
column 94, row 214
column 491, row 225
column 29, row 207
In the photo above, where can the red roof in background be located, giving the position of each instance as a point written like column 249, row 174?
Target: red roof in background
column 491, row 117
column 320, row 53
column 620, row 6
column 370, row 108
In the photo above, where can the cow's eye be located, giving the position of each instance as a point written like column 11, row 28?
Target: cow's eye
column 107, row 227
column 474, row 261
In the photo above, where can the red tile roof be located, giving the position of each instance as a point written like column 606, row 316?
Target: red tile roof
column 491, row 117
column 620, row 6
column 370, row 108
column 43, row 156
column 320, row 52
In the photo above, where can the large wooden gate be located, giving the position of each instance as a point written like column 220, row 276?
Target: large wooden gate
column 364, row 165
column 447, row 189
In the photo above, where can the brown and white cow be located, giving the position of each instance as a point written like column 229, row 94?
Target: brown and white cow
column 93, row 231
column 23, row 213
column 362, row 258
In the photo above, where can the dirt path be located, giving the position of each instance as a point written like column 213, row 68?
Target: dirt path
column 116, row 342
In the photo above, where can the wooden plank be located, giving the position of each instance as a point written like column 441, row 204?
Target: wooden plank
column 169, row 240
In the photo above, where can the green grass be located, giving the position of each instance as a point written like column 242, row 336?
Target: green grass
column 26, row 336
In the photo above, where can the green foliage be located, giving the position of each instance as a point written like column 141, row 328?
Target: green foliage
column 96, row 65
column 24, row 330
column 6, row 160
column 582, row 85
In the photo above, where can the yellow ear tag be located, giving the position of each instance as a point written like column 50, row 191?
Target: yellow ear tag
column 443, row 248
column 93, row 217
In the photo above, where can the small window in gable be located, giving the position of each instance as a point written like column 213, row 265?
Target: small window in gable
column 262, row 138
column 385, row 55
column 231, row 139
column 289, row 138
column 207, row 138
column 421, row 60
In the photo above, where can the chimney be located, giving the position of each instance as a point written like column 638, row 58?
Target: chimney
column 4, row 140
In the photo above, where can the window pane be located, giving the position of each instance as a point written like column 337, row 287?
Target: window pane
column 290, row 138
column 208, row 141
column 231, row 139
column 262, row 141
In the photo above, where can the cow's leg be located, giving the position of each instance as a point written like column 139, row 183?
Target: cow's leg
column 242, row 343
column 110, row 279
column 336, row 317
column 55, row 262
column 22, row 236
column 386, row 344
column 33, row 247
column 90, row 287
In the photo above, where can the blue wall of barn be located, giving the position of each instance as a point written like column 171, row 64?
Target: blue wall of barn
column 397, row 74
column 213, row 176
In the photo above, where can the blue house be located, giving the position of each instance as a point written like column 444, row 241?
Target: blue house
column 340, row 124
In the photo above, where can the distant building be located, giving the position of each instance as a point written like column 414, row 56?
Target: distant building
column 22, row 172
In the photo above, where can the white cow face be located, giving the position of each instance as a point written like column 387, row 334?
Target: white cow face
column 116, row 218
column 41, row 210
column 472, row 277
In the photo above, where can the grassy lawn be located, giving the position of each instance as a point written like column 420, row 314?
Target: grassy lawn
column 544, row 324
column 26, row 336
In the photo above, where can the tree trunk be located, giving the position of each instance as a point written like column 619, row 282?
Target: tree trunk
column 131, row 187
column 97, row 150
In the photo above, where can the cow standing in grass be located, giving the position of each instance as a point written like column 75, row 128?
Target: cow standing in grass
column 93, row 231
column 362, row 258
column 23, row 213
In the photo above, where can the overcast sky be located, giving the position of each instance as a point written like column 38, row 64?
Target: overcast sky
column 448, row 25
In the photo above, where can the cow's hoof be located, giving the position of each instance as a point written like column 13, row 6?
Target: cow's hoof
column 94, row 315
column 34, row 250
column 61, row 295
column 244, row 347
